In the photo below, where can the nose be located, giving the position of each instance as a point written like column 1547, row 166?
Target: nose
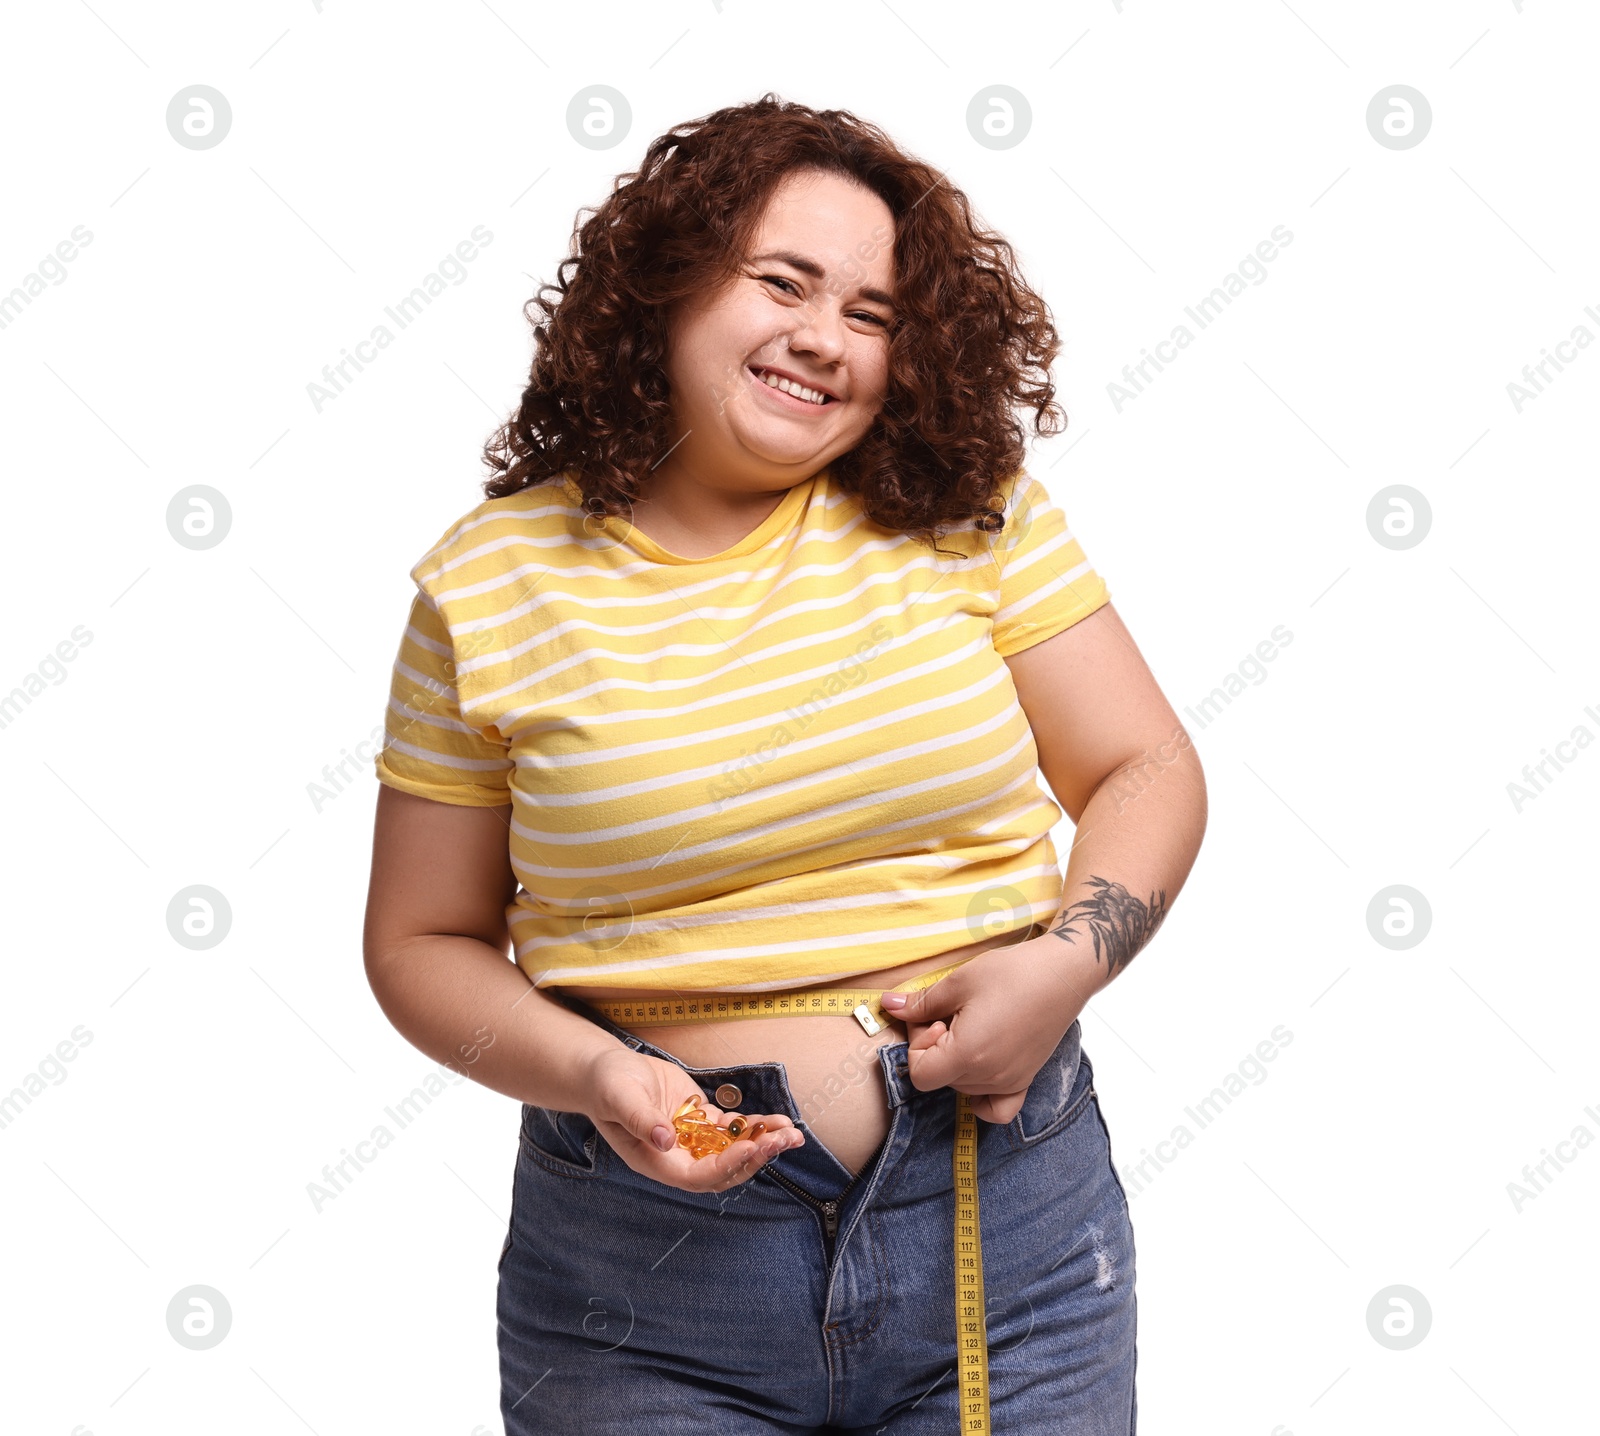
column 819, row 331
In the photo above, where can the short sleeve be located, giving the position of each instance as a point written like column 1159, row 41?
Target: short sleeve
column 1046, row 582
column 429, row 749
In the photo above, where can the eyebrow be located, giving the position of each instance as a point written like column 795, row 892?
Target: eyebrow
column 816, row 271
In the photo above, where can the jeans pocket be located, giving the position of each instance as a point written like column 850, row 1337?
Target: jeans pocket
column 566, row 1143
column 1055, row 1096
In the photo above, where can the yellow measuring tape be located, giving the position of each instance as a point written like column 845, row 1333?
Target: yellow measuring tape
column 972, row 1346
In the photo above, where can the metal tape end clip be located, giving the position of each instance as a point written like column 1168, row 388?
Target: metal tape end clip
column 870, row 1024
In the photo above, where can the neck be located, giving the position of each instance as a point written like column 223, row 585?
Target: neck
column 676, row 505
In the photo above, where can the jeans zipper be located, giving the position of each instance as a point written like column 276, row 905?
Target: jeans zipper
column 829, row 1208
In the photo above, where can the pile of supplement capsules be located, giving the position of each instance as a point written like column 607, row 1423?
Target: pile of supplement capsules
column 702, row 1137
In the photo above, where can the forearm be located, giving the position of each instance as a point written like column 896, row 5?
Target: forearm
column 1135, row 843
column 460, row 1001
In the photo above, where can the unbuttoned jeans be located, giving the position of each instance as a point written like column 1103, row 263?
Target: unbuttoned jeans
column 627, row 1305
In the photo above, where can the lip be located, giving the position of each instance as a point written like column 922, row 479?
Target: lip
column 793, row 378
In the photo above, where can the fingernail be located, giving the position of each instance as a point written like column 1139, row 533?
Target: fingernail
column 662, row 1135
column 892, row 1001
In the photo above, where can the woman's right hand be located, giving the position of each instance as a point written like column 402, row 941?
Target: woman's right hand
column 633, row 1097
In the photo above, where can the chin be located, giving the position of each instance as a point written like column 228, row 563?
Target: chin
column 787, row 447
column 785, row 455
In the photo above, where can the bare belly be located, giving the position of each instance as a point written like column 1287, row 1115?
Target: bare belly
column 831, row 1063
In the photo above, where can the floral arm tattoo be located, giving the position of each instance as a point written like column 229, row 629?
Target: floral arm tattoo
column 1119, row 923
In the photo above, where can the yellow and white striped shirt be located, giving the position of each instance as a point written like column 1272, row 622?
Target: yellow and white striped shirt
column 798, row 760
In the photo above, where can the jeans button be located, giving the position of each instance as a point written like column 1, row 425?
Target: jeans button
column 728, row 1095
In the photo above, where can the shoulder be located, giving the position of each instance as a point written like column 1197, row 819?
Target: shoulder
column 1024, row 497
column 1016, row 497
column 1035, row 523
column 532, row 526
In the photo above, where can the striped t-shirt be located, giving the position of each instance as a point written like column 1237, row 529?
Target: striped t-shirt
column 798, row 760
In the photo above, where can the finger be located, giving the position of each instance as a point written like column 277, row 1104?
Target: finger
column 998, row 1107
column 741, row 1160
column 775, row 1123
column 643, row 1120
column 939, row 1000
column 778, row 1135
column 770, row 1123
column 933, row 1060
column 710, row 1112
column 925, row 1034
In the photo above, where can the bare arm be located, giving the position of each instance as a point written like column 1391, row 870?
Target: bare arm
column 437, row 958
column 1125, row 771
column 437, row 947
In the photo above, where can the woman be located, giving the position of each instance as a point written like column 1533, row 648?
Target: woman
column 737, row 685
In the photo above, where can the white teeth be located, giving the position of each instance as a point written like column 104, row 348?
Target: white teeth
column 772, row 381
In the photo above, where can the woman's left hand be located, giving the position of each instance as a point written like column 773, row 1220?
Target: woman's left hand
column 989, row 1026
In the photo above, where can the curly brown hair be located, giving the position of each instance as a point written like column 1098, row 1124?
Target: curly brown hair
column 971, row 340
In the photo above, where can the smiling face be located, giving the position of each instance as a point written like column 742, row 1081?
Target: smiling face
column 810, row 307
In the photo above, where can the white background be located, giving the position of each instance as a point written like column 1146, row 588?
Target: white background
column 1231, row 496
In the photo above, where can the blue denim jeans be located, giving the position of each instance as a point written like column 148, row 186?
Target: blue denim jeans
column 808, row 1300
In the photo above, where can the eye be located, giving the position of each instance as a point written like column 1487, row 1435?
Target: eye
column 858, row 313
